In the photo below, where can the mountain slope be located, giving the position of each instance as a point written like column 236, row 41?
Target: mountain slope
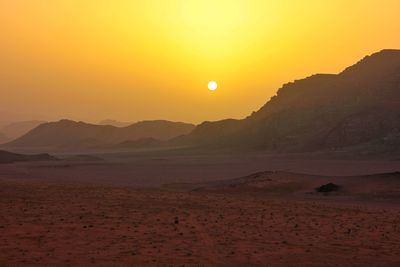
column 18, row 129
column 76, row 135
column 358, row 106
column 115, row 123
column 3, row 138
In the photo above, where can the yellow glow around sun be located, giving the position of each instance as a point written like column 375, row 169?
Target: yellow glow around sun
column 128, row 53
column 213, row 32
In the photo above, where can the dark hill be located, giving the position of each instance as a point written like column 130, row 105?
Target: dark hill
column 115, row 123
column 18, row 129
column 359, row 106
column 77, row 135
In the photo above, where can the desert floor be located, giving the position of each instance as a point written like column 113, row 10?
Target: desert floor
column 49, row 218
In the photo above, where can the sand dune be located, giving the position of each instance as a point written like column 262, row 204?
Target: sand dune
column 385, row 186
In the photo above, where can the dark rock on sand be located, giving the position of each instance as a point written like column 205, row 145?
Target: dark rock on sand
column 326, row 188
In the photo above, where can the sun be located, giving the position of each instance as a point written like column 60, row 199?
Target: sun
column 212, row 85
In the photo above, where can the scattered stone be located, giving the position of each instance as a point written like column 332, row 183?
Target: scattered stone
column 326, row 188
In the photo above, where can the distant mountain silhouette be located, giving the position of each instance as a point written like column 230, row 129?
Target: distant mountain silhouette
column 67, row 134
column 359, row 106
column 3, row 138
column 8, row 157
column 141, row 143
column 18, row 129
column 115, row 123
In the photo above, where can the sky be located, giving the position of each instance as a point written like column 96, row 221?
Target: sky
column 138, row 60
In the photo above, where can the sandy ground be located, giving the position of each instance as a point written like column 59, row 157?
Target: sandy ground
column 52, row 225
column 152, row 170
column 121, row 213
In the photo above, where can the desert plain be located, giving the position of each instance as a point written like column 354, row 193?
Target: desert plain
column 160, row 209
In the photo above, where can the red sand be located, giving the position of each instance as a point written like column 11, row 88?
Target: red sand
column 76, row 225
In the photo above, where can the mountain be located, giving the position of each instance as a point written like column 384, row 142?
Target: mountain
column 140, row 143
column 3, row 138
column 115, row 123
column 18, row 129
column 357, row 107
column 8, row 157
column 67, row 134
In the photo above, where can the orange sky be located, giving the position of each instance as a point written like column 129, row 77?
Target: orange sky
column 133, row 60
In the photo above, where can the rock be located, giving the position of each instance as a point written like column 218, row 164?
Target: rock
column 326, row 188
